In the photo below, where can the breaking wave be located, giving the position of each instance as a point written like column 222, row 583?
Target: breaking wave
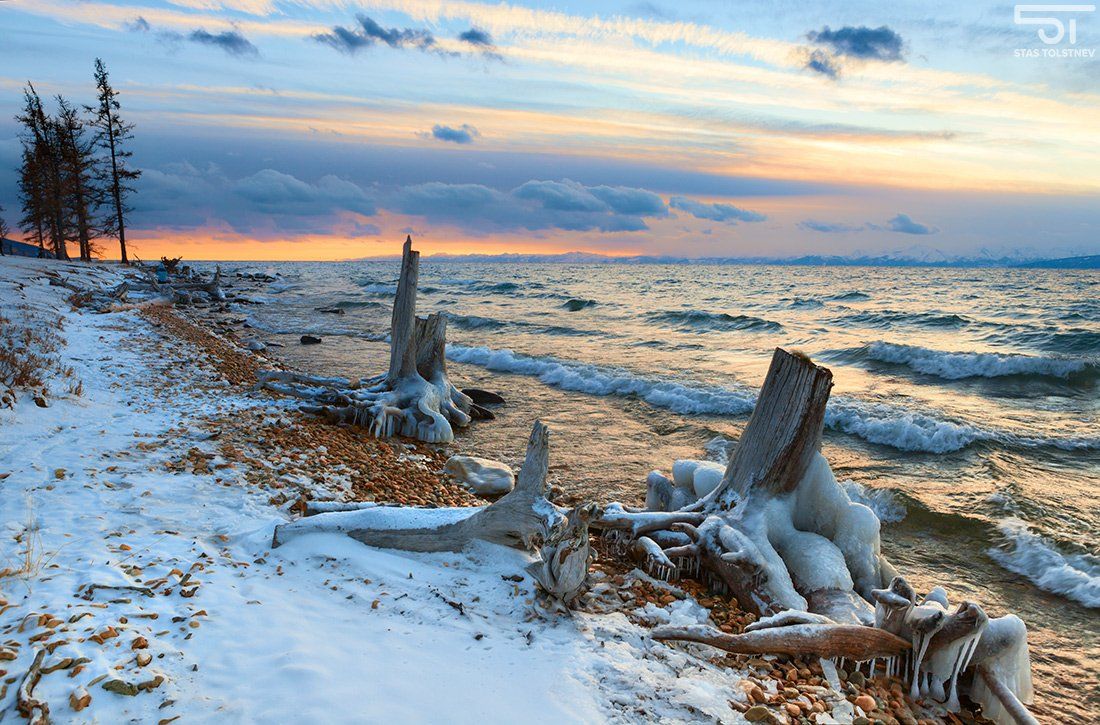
column 851, row 296
column 596, row 380
column 873, row 422
column 699, row 321
column 958, row 365
column 879, row 500
column 1074, row 576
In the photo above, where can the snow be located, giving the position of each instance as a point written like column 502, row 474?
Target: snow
column 322, row 629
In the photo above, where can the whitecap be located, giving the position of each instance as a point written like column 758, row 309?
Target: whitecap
column 1074, row 576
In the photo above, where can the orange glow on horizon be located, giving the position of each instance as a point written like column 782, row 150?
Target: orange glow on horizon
column 207, row 246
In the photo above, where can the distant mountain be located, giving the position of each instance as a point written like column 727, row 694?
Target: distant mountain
column 911, row 257
column 1091, row 262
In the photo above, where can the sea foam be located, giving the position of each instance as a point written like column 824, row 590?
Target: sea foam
column 873, row 422
column 958, row 365
column 1074, row 576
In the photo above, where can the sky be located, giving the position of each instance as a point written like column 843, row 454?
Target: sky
column 323, row 129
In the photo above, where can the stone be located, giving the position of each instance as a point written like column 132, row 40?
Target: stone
column 759, row 713
column 866, row 703
column 310, row 340
column 481, row 475
column 255, row 345
column 857, row 678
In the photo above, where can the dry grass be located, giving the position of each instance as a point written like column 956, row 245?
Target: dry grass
column 30, row 558
column 30, row 358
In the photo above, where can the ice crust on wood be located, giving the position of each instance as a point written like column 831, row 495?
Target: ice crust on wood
column 414, row 398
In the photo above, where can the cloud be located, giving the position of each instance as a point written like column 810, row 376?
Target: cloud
column 482, row 41
column 533, row 205
column 475, row 36
column 903, row 224
column 231, row 41
column 464, row 134
column 370, row 33
column 861, row 42
column 139, row 25
column 830, row 227
column 715, row 212
column 821, row 62
column 181, row 196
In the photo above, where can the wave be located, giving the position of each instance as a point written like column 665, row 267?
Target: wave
column 850, row 296
column 1075, row 341
column 803, row 303
column 476, row 322
column 697, row 320
column 356, row 304
column 376, row 289
column 889, row 318
column 958, row 365
column 596, row 380
column 1074, row 576
column 876, row 423
column 576, row 305
column 879, row 500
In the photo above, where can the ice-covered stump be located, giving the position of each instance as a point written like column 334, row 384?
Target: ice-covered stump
column 775, row 529
column 415, row 398
column 782, row 536
column 523, row 518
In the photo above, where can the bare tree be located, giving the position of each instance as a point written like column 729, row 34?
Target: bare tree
column 112, row 133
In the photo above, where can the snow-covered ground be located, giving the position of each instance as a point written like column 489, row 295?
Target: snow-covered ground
column 173, row 574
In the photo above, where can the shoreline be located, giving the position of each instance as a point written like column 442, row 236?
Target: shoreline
column 280, row 456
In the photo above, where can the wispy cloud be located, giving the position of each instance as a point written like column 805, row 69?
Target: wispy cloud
column 830, row 227
column 715, row 211
column 370, row 33
column 231, row 41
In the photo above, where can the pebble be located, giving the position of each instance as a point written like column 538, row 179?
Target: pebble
column 759, row 713
column 866, row 703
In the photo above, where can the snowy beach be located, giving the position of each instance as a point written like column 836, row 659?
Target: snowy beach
column 137, row 556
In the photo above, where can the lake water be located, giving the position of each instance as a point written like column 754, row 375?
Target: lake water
column 965, row 407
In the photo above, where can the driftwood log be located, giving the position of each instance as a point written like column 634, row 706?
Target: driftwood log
column 413, row 398
column 524, row 519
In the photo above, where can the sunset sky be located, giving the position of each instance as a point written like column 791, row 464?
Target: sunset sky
column 322, row 129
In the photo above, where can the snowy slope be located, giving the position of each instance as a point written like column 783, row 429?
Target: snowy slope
column 320, row 630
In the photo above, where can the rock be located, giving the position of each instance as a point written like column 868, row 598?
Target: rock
column 866, row 703
column 255, row 345
column 759, row 713
column 310, row 340
column 480, row 475
column 79, row 699
column 861, row 721
column 40, row 401
column 121, row 688
column 483, row 397
column 857, row 679
column 331, row 310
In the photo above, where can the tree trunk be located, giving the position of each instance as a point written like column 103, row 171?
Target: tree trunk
column 415, row 397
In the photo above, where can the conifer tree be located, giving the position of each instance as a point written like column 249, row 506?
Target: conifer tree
column 112, row 135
